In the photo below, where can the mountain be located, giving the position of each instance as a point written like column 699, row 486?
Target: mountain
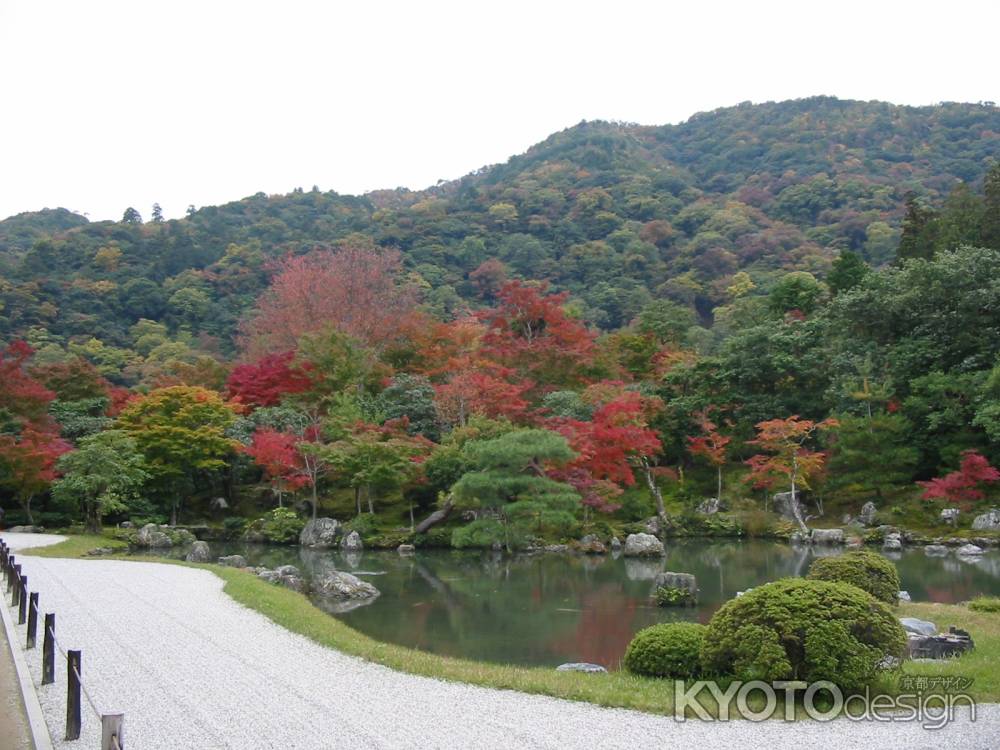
column 617, row 214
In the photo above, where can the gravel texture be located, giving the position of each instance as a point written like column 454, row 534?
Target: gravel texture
column 192, row 668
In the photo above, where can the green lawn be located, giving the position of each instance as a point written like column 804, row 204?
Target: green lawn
column 293, row 611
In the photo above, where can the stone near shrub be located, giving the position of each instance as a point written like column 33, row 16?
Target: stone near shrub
column 867, row 515
column 233, row 561
column 784, row 504
column 948, row 645
column 920, row 627
column 904, row 596
column 591, row 545
column 580, row 666
column 643, row 545
column 406, row 549
column 969, row 550
column 126, row 525
column 827, row 536
column 683, row 581
column 989, row 521
column 892, row 542
column 352, row 542
column 199, row 553
column 151, row 536
column 344, row 586
column 709, row 506
column 285, row 575
column 320, row 533
column 950, row 516
column 616, row 543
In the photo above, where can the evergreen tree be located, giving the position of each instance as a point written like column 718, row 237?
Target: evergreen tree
column 847, row 272
column 131, row 216
column 990, row 230
column 871, row 454
column 919, row 237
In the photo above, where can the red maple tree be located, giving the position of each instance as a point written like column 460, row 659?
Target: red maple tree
column 277, row 454
column 964, row 485
column 264, row 381
column 709, row 445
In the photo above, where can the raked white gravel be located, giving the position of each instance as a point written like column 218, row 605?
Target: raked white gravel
column 191, row 668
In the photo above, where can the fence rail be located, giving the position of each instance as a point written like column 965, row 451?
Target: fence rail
column 112, row 724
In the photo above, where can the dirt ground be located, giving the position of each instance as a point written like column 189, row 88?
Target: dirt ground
column 13, row 723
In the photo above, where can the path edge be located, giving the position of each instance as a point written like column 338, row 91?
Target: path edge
column 29, row 697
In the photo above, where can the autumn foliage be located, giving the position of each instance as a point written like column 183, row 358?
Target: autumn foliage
column 964, row 485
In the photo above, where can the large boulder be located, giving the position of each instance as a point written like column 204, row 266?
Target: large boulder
column 643, row 545
column 919, row 627
column 987, row 521
column 709, row 506
column 284, row 575
column 950, row 516
column 827, row 536
column 592, row 545
column 199, row 553
column 152, row 537
column 784, row 505
column 352, row 542
column 969, row 550
column 233, row 561
column 342, row 585
column 652, row 525
column 867, row 515
column 320, row 533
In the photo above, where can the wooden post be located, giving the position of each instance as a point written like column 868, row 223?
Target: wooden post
column 12, row 584
column 32, row 620
column 49, row 650
column 111, row 728
column 73, row 660
column 22, row 601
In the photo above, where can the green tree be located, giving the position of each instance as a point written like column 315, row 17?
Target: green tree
column 919, row 237
column 181, row 432
column 798, row 290
column 872, row 454
column 101, row 476
column 990, row 229
column 847, row 272
column 510, row 484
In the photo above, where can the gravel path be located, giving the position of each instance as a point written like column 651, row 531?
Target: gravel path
column 192, row 668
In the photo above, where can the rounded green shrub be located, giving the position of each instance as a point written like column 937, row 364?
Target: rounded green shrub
column 869, row 571
column 670, row 649
column 985, row 604
column 799, row 629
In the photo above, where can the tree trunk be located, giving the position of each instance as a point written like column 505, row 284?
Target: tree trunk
column 368, row 495
column 436, row 517
column 357, row 498
column 661, row 510
column 173, row 512
column 797, row 511
column 718, row 493
column 315, row 499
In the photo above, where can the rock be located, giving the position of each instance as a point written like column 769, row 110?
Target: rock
column 919, row 627
column 616, row 543
column 218, row 503
column 948, row 645
column 151, row 536
column 827, row 536
column 867, row 515
column 406, row 549
column 342, row 585
column 288, row 570
column 652, row 525
column 892, row 542
column 985, row 541
column 126, row 525
column 352, row 542
column 233, row 561
column 684, row 581
column 904, row 596
column 969, row 550
column 855, row 542
column 988, row 521
column 741, row 593
column 320, row 533
column 591, row 545
column 935, row 550
column 22, row 530
column 709, row 506
column 99, row 551
column 643, row 545
column 199, row 553
column 578, row 666
column 950, row 516
column 783, row 505
column 285, row 575
column 556, row 549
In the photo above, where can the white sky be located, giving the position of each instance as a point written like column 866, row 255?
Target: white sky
column 108, row 104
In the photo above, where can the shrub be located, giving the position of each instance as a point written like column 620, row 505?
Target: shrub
column 281, row 525
column 985, row 604
column 670, row 596
column 869, row 571
column 667, row 650
column 365, row 524
column 796, row 629
column 233, row 526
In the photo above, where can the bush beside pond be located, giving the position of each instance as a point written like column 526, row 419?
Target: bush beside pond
column 869, row 571
column 796, row 629
column 989, row 604
column 666, row 650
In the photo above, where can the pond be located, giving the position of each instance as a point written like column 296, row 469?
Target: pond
column 550, row 609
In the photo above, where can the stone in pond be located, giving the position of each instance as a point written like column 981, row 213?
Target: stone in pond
column 320, row 533
column 969, row 550
column 892, row 542
column 352, row 543
column 935, row 550
column 919, row 627
column 344, row 586
column 406, row 549
column 643, row 545
column 670, row 580
column 233, row 561
column 827, row 536
column 581, row 667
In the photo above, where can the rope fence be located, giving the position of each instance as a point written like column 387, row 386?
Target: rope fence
column 112, row 724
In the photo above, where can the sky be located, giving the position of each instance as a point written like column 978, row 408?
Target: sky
column 107, row 104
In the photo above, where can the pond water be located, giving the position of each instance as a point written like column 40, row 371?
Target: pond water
column 550, row 609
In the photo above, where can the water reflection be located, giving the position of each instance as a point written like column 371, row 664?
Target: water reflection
column 558, row 608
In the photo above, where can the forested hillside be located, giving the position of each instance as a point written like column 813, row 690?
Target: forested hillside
column 682, row 309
